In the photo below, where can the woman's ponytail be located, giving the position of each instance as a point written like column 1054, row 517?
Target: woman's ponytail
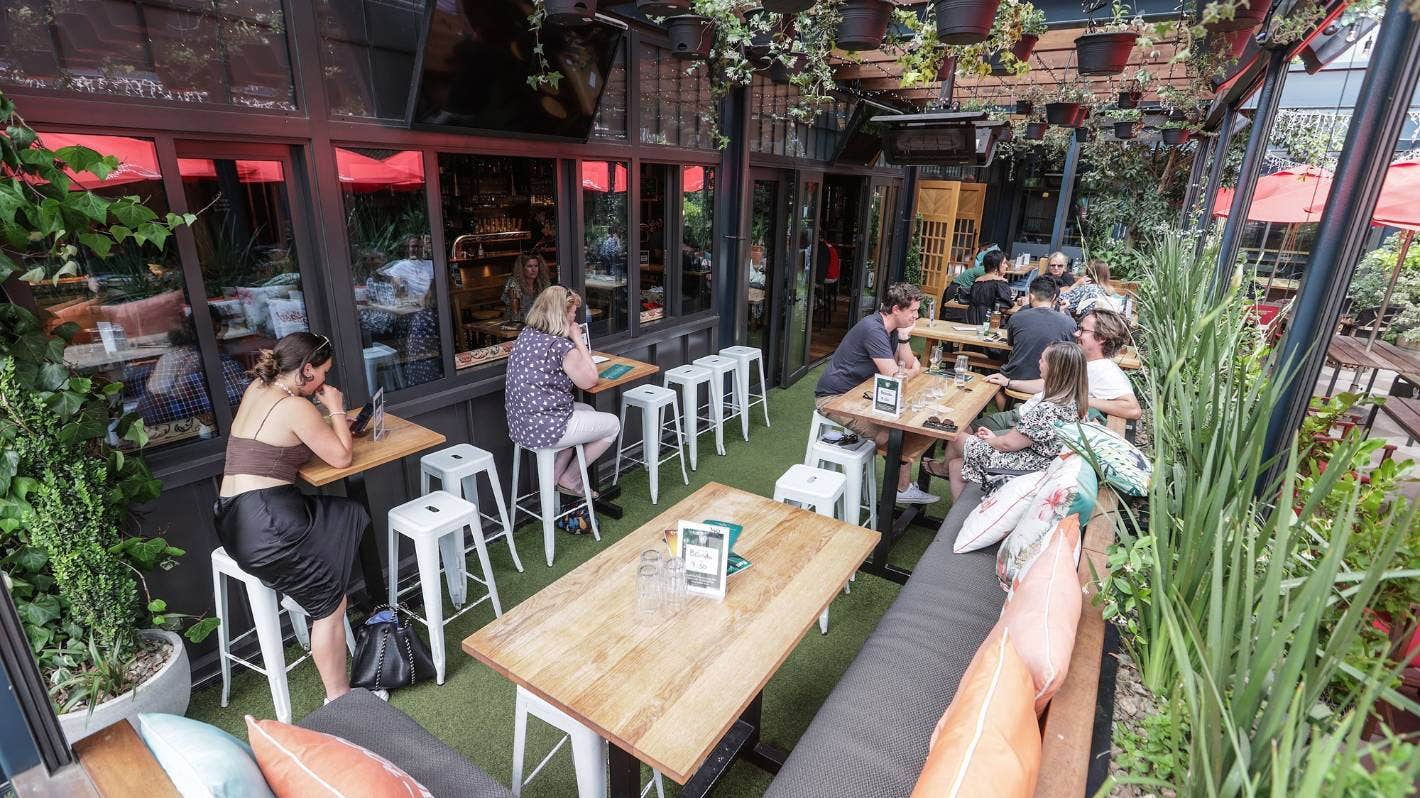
column 266, row 367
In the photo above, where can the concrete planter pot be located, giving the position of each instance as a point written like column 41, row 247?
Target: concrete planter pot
column 168, row 690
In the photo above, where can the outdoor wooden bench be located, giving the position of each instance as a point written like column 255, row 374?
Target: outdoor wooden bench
column 1406, row 414
column 120, row 765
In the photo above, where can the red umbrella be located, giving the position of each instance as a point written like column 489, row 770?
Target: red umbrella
column 247, row 171
column 692, row 179
column 410, row 162
column 137, row 159
column 594, row 176
column 1285, row 197
column 363, row 173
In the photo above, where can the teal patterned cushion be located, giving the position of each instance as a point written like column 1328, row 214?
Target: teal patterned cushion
column 1119, row 462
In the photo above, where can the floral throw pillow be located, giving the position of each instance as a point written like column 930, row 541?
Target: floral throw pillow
column 1068, row 489
column 1119, row 462
column 997, row 514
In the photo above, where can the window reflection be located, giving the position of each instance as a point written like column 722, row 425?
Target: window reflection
column 135, row 325
column 246, row 246
column 655, row 191
column 697, row 185
column 604, row 244
column 392, row 263
column 500, row 221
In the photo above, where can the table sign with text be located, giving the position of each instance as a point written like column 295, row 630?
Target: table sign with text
column 887, row 395
column 377, row 417
column 705, row 549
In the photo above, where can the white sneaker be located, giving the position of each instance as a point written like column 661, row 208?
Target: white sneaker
column 915, row 495
column 383, row 695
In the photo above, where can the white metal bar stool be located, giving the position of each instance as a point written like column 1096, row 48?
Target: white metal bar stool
column 266, row 625
column 549, row 500
column 688, row 379
column 816, row 489
column 435, row 522
column 589, row 750
column 720, row 366
column 457, row 469
column 743, row 357
column 652, row 401
column 858, row 463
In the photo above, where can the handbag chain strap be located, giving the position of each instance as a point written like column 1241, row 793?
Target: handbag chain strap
column 384, row 640
column 380, row 661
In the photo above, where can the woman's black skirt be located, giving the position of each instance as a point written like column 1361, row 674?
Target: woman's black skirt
column 300, row 545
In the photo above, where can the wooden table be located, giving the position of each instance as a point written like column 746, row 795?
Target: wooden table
column 675, row 689
column 1347, row 351
column 605, row 502
column 969, row 335
column 961, row 405
column 402, row 438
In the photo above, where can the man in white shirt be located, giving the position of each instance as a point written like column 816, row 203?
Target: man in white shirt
column 1102, row 333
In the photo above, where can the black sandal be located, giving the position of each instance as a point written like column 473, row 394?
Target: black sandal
column 932, row 467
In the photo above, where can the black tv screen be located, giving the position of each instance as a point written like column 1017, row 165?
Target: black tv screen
column 476, row 60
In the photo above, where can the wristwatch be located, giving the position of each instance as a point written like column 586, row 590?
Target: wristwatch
column 906, row 340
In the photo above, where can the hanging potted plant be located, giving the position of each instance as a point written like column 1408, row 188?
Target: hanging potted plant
column 1070, row 106
column 965, row 21
column 1153, row 117
column 1030, row 99
column 1035, row 131
column 567, row 12
column 1105, row 49
column 1022, row 22
column 692, row 36
column 1084, row 134
column 663, row 8
column 1232, row 15
column 806, row 61
column 762, row 27
column 71, row 475
column 1132, row 90
column 787, row 6
column 1125, row 122
column 863, row 24
column 1175, row 133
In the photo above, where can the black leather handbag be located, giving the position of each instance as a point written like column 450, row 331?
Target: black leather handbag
column 389, row 654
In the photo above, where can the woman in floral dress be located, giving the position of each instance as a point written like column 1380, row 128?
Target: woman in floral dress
column 1091, row 292
column 1032, row 444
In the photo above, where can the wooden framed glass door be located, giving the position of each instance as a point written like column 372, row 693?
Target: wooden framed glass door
column 800, row 266
column 765, row 272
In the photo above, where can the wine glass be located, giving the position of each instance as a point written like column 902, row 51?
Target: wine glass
column 936, row 358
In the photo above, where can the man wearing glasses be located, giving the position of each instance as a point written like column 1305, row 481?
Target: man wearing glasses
column 1102, row 333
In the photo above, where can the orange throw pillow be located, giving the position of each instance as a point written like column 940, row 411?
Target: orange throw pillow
column 1043, row 611
column 300, row 763
column 988, row 742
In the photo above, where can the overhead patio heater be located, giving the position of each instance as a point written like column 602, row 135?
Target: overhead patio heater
column 941, row 138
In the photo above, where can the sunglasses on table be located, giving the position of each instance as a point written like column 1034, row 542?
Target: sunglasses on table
column 943, row 424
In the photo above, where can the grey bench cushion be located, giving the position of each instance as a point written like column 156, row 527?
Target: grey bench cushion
column 869, row 740
column 370, row 723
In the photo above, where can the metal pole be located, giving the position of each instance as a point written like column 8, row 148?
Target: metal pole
column 906, row 227
column 1215, row 176
column 1067, row 194
column 1380, row 111
column 1251, row 166
column 1405, row 239
column 733, row 197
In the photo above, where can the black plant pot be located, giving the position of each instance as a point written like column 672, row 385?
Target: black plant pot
column 1007, row 134
column 784, row 75
column 1104, row 53
column 1154, row 119
column 1024, row 107
column 1084, row 134
column 965, row 21
column 1244, row 18
column 1035, row 131
column 663, row 8
column 1177, row 116
column 1125, row 130
column 759, row 45
column 1231, row 43
column 691, row 36
column 1129, row 99
column 1174, row 136
column 787, row 6
column 1065, row 114
column 571, row 12
column 864, row 24
column 1022, row 51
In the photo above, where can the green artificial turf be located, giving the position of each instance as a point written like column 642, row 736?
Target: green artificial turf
column 473, row 710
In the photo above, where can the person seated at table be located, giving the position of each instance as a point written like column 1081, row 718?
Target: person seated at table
column 1033, row 328
column 1102, row 333
column 548, row 359
column 991, row 291
column 1090, row 291
column 526, row 283
column 299, row 544
column 879, row 344
column 1058, row 269
column 1031, row 443
column 961, row 284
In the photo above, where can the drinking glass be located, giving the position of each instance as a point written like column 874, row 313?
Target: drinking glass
column 963, row 370
column 674, row 583
column 648, row 589
column 936, row 358
column 651, row 557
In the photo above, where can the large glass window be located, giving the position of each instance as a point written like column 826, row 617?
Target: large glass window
column 604, row 193
column 246, row 246
column 655, row 221
column 674, row 102
column 610, row 123
column 392, row 263
column 135, row 325
column 367, row 55
column 697, row 209
column 500, row 224
column 231, row 52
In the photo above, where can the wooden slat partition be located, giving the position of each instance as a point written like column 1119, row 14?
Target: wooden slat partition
column 1068, row 731
column 120, row 765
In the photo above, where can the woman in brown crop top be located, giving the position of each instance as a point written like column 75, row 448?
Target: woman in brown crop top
column 300, row 545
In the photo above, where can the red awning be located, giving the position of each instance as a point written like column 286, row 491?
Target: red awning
column 594, row 176
column 363, row 173
column 1399, row 204
column 247, row 171
column 409, row 162
column 137, row 159
column 692, row 179
column 1284, row 197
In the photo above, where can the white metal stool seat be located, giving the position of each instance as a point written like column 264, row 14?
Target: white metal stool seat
column 435, row 522
column 817, row 489
column 589, row 750
column 266, row 625
column 652, row 401
column 549, row 500
column 743, row 357
column 858, row 463
column 457, row 469
column 720, row 366
column 689, row 378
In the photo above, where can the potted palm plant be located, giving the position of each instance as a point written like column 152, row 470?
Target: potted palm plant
column 1105, row 49
column 70, row 476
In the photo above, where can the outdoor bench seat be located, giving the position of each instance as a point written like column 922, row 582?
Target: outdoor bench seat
column 869, row 740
